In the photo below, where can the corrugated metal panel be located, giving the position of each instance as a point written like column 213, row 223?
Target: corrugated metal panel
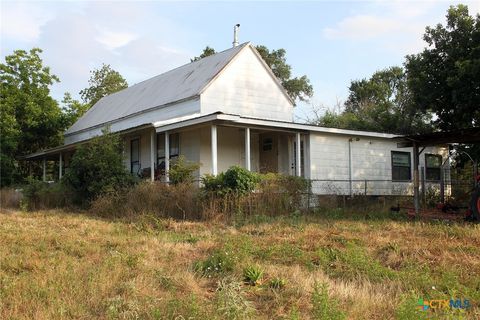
column 177, row 84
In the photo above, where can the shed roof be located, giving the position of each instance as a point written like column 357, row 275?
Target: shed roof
column 467, row 135
column 178, row 84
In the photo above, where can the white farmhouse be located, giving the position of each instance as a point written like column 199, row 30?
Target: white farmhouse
column 229, row 109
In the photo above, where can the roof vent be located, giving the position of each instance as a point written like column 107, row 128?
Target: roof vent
column 235, row 35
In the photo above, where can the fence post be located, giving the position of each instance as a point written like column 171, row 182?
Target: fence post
column 365, row 186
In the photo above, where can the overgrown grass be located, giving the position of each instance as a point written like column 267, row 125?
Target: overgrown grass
column 59, row 265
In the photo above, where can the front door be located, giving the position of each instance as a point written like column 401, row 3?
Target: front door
column 268, row 152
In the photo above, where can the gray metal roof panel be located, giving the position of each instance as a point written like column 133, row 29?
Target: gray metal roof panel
column 174, row 85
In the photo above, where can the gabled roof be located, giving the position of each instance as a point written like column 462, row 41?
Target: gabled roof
column 179, row 84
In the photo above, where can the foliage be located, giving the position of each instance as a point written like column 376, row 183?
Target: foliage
column 230, row 300
column 97, row 168
column 298, row 88
column 252, row 275
column 235, row 180
column 324, row 308
column 208, row 51
column 72, row 109
column 277, row 283
column 182, row 170
column 38, row 195
column 445, row 77
column 102, row 82
column 30, row 118
column 382, row 103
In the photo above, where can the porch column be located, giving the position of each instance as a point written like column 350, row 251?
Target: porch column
column 247, row 149
column 152, row 154
column 167, row 156
column 298, row 167
column 416, row 184
column 44, row 167
column 214, row 150
column 60, row 169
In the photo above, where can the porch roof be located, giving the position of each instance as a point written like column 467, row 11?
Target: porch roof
column 177, row 123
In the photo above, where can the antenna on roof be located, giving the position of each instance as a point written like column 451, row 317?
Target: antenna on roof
column 235, row 35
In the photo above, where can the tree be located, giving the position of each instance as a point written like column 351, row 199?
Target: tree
column 206, row 52
column 72, row 109
column 103, row 81
column 380, row 103
column 30, row 118
column 445, row 77
column 298, row 88
column 97, row 168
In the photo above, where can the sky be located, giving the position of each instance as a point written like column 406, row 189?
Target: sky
column 332, row 42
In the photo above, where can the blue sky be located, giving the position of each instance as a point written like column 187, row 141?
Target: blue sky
column 332, row 42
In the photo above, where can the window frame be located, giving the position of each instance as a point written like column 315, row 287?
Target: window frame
column 137, row 140
column 396, row 166
column 439, row 168
column 161, row 139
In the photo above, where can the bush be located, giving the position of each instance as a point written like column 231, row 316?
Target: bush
column 97, row 168
column 235, row 180
column 41, row 195
column 181, row 171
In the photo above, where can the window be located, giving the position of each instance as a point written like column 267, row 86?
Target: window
column 135, row 156
column 174, row 144
column 433, row 163
column 267, row 144
column 401, row 166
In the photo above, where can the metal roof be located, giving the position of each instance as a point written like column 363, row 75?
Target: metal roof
column 178, row 84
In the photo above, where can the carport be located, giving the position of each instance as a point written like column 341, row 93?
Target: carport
column 421, row 141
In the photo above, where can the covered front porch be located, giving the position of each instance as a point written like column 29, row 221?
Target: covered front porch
column 216, row 142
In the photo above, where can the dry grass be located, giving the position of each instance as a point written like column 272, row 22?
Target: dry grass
column 58, row 265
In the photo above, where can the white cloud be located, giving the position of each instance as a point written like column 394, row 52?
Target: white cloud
column 114, row 39
column 361, row 27
column 22, row 21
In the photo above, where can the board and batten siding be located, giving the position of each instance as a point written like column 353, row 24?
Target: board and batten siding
column 162, row 113
column 371, row 160
column 246, row 88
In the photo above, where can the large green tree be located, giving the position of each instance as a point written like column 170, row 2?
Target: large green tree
column 102, row 82
column 380, row 103
column 445, row 77
column 298, row 88
column 30, row 118
column 72, row 109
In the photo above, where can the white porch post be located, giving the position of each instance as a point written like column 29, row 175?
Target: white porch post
column 152, row 155
column 298, row 167
column 214, row 150
column 247, row 149
column 167, row 156
column 60, row 169
column 44, row 166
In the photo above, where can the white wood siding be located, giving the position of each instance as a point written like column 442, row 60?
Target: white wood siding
column 164, row 113
column 371, row 160
column 246, row 88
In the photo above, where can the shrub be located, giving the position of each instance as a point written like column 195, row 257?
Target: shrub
column 41, row 195
column 252, row 275
column 235, row 180
column 97, row 168
column 182, row 170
